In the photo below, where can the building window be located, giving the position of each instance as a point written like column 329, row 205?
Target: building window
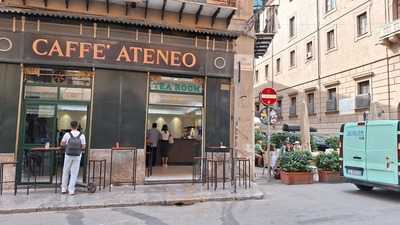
column 309, row 49
column 363, row 99
column 362, row 24
column 266, row 71
column 292, row 108
column 363, row 88
column 331, row 103
column 256, row 76
column 330, row 5
column 292, row 28
column 279, row 108
column 293, row 58
column 396, row 9
column 310, row 103
column 278, row 65
column 331, row 39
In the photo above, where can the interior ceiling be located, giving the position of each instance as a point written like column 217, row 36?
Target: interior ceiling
column 191, row 7
column 172, row 110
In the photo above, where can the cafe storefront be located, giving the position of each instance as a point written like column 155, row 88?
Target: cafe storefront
column 115, row 81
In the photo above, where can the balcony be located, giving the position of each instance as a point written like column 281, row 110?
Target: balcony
column 390, row 33
column 265, row 30
column 363, row 101
column 331, row 105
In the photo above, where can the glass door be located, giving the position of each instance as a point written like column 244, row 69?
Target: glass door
column 38, row 128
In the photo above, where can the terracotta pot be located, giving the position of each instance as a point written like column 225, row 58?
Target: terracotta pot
column 329, row 176
column 296, row 177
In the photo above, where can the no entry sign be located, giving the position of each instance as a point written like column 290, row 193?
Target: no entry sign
column 268, row 96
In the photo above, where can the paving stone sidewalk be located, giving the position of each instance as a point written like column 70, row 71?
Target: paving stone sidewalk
column 122, row 196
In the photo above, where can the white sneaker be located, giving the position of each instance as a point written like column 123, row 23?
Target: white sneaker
column 63, row 191
column 71, row 193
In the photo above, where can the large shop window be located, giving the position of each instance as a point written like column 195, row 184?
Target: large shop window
column 52, row 99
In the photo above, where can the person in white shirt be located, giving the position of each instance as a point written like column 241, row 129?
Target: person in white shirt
column 164, row 145
column 74, row 143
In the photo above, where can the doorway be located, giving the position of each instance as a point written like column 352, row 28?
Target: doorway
column 52, row 99
column 178, row 104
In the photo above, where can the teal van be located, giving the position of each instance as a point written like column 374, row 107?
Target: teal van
column 370, row 153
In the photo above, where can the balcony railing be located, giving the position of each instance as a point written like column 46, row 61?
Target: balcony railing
column 265, row 30
column 292, row 111
column 390, row 31
column 311, row 108
column 331, row 105
column 363, row 101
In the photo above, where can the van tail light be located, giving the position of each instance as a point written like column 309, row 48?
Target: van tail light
column 341, row 149
column 398, row 142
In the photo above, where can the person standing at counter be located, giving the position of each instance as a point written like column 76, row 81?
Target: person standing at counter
column 153, row 137
column 164, row 146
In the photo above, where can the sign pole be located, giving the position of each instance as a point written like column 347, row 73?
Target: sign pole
column 268, row 98
column 268, row 145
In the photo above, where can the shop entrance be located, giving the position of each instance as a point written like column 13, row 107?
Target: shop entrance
column 176, row 103
column 52, row 99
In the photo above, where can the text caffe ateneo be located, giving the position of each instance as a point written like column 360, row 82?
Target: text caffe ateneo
column 114, row 54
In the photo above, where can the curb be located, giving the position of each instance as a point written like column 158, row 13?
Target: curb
column 175, row 202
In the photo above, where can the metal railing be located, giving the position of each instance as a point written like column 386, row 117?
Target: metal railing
column 292, row 111
column 362, row 101
column 331, row 105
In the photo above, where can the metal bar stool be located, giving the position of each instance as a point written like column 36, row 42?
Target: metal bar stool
column 102, row 165
column 244, row 170
column 7, row 182
column 199, row 165
column 214, row 162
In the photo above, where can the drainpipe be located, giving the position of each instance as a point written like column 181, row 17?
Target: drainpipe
column 387, row 60
column 319, row 61
column 388, row 79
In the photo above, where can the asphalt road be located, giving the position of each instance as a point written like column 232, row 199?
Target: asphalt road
column 316, row 204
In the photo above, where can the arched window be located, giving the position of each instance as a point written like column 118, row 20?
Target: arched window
column 396, row 9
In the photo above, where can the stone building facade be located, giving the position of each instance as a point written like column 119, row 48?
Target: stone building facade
column 339, row 58
column 153, row 39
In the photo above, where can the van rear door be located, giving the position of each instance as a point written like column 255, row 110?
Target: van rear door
column 382, row 151
column 354, row 155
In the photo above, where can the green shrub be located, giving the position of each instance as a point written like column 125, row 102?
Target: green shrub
column 279, row 139
column 328, row 161
column 332, row 142
column 295, row 161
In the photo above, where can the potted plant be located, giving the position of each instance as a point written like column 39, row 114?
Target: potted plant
column 328, row 167
column 295, row 167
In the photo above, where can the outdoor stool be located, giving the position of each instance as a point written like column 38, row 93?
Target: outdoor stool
column 214, row 172
column 2, row 177
column 213, row 161
column 244, row 170
column 32, row 171
column 202, row 161
column 102, row 165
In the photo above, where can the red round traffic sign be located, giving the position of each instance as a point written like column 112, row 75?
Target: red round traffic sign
column 268, row 96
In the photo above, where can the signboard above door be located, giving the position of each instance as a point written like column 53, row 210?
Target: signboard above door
column 176, row 85
column 54, row 49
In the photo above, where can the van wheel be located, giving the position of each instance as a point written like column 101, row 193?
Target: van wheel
column 364, row 188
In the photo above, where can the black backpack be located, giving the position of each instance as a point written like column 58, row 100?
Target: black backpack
column 74, row 145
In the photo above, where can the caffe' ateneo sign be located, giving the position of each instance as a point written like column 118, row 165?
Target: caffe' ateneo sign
column 113, row 53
